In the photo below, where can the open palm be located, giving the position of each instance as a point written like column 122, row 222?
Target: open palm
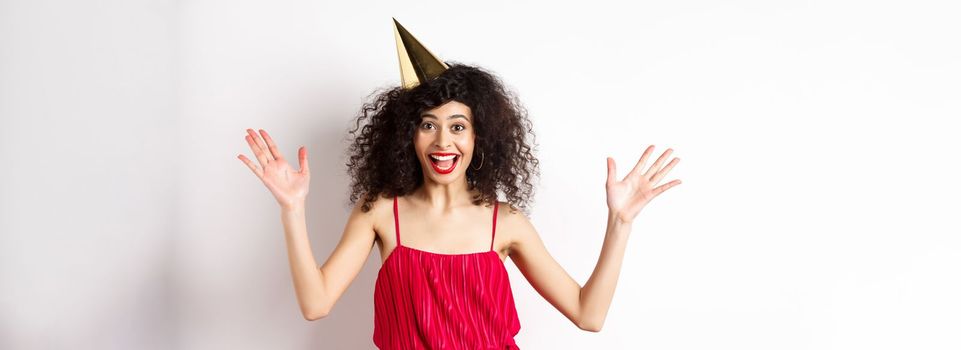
column 288, row 186
column 626, row 198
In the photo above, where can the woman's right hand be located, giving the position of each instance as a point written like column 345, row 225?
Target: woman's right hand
column 288, row 186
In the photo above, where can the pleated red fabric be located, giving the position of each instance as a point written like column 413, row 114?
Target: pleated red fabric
column 425, row 300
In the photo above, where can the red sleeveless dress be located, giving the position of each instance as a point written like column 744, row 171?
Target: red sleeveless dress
column 425, row 300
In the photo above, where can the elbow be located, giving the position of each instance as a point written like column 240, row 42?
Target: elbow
column 314, row 317
column 315, row 314
column 591, row 326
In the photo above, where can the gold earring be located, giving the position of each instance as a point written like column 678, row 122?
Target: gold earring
column 482, row 162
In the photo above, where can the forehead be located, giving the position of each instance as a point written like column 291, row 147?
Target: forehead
column 451, row 108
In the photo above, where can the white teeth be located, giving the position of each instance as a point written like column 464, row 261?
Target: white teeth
column 443, row 158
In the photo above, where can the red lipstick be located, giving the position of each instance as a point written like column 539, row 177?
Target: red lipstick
column 434, row 162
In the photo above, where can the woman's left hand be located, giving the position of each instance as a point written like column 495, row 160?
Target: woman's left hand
column 625, row 198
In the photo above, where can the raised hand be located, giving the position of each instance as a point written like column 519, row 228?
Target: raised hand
column 625, row 198
column 288, row 186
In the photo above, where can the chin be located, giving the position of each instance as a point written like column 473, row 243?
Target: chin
column 447, row 180
column 444, row 179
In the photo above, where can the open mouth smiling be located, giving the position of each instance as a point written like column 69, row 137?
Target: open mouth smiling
column 443, row 163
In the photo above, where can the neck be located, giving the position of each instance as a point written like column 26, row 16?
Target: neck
column 442, row 197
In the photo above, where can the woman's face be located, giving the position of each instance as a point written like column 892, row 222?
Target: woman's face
column 445, row 131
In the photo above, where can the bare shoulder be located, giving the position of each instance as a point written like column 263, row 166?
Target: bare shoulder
column 513, row 224
column 506, row 210
column 510, row 214
column 379, row 209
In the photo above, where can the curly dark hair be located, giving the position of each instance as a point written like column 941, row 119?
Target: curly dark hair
column 381, row 158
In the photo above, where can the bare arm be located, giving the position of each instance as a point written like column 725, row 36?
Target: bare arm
column 319, row 288
column 587, row 306
column 595, row 298
column 308, row 280
column 547, row 277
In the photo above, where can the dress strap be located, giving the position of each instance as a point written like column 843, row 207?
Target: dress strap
column 494, row 228
column 396, row 222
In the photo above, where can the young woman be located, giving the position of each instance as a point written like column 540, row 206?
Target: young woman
column 427, row 167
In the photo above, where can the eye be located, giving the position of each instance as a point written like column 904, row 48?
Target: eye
column 461, row 127
column 426, row 124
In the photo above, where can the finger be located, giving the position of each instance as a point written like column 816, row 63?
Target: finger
column 611, row 171
column 663, row 172
column 258, row 152
column 271, row 145
column 261, row 144
column 304, row 166
column 657, row 164
column 640, row 163
column 660, row 189
column 251, row 165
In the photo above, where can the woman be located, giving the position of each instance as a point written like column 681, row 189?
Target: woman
column 428, row 164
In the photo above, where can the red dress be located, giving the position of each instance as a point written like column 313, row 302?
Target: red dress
column 425, row 300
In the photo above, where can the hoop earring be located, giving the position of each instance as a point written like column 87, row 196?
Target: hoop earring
column 482, row 162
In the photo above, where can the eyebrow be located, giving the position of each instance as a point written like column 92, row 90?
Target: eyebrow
column 428, row 115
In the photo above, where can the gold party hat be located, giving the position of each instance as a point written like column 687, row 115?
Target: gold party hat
column 417, row 63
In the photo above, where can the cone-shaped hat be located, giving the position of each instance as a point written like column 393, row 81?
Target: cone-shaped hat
column 417, row 63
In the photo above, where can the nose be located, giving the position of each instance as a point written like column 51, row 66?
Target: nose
column 443, row 139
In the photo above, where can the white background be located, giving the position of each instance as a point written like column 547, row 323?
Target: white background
column 818, row 210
